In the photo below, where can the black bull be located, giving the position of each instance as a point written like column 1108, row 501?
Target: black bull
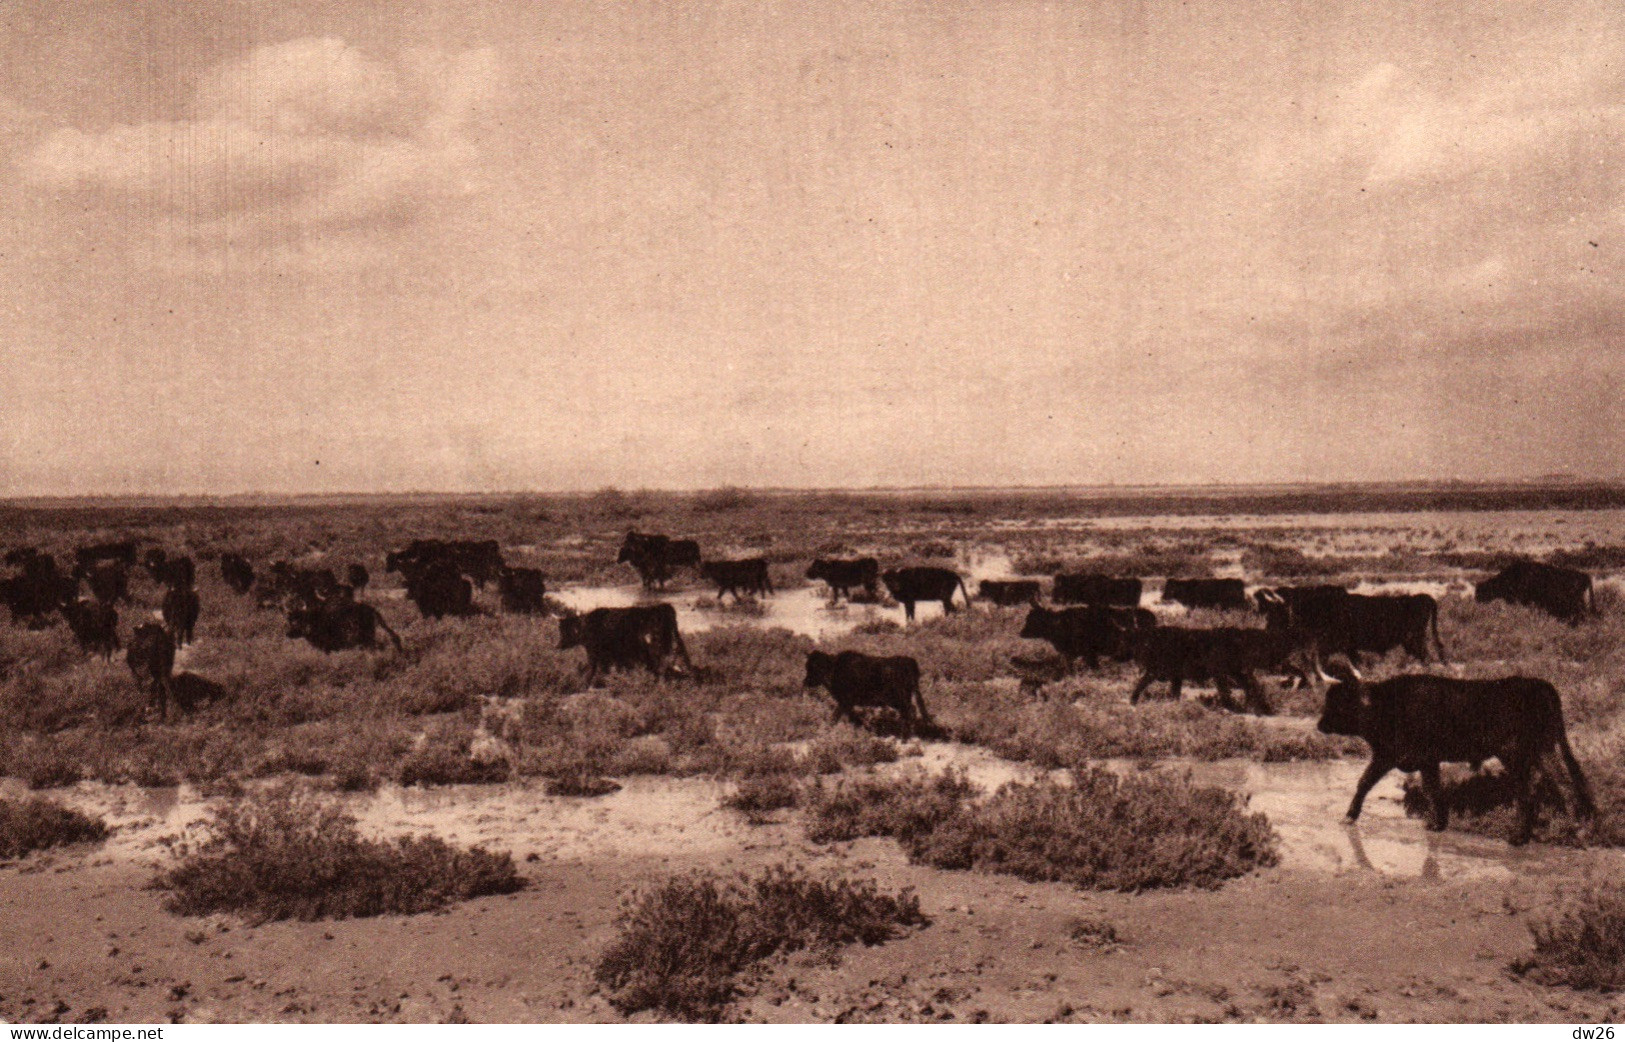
column 1415, row 723
column 854, row 679
column 641, row 637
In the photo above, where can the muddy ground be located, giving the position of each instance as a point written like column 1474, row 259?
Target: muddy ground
column 1382, row 922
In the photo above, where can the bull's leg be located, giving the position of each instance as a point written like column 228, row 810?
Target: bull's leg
column 1139, row 688
column 1373, row 774
column 1585, row 807
column 1257, row 700
column 1176, row 687
column 948, row 605
column 1222, row 685
column 1522, row 772
column 908, row 610
column 1438, row 811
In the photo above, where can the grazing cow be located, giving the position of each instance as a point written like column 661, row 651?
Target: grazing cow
column 1348, row 623
column 1223, row 594
column 641, row 637
column 843, row 574
column 1088, row 631
column 1096, row 589
column 854, row 679
column 123, row 552
column 339, row 623
column 94, row 624
column 180, row 611
column 38, row 592
column 523, row 590
column 236, row 572
column 1009, row 593
column 1226, row 656
column 910, row 585
column 733, row 576
column 439, row 590
column 1562, row 592
column 357, row 577
column 151, row 658
column 1417, row 722
column 109, row 581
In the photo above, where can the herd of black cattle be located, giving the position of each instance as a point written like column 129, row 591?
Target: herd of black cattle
column 1411, row 722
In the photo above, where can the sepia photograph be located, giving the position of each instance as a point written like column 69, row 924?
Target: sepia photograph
column 821, row 512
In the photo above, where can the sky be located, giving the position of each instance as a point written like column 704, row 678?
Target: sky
column 501, row 245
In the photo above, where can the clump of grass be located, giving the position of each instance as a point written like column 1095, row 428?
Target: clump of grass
column 845, row 746
column 286, row 854
column 1581, row 946
column 1094, row 933
column 760, row 795
column 904, row 808
column 446, row 758
column 581, row 784
column 1104, row 832
column 34, row 824
column 1272, row 560
column 683, row 944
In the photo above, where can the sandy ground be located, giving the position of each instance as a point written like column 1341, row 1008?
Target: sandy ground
column 1381, row 923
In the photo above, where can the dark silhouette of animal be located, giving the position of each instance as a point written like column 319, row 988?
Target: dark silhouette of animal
column 1226, row 656
column 357, row 577
column 154, row 561
column 1417, row 722
column 523, row 590
column 1561, row 592
column 109, row 581
column 18, row 556
column 1096, row 589
column 1008, row 593
column 842, row 574
column 439, row 590
column 180, row 610
column 35, row 594
column 750, row 576
column 478, row 560
column 236, row 572
column 655, row 556
column 910, row 585
column 1222, row 594
column 94, row 624
column 1347, row 623
column 640, row 637
column 122, row 551
column 1089, row 632
column 854, row 679
column 338, row 624
column 179, row 572
column 151, row 658
column 191, row 691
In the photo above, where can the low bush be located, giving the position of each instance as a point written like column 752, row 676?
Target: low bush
column 762, row 794
column 34, row 824
column 1104, row 832
column 286, row 854
column 683, row 944
column 446, row 757
column 904, row 808
column 1582, row 945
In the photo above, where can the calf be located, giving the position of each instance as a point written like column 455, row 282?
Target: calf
column 1096, row 589
column 733, row 576
column 1417, row 722
column 1223, row 594
column 151, row 658
column 854, row 679
column 523, row 590
column 1009, row 593
column 180, row 611
column 1226, row 656
column 338, row 624
column 640, row 637
column 910, row 585
column 236, row 572
column 1561, row 592
column 841, row 575
column 94, row 624
column 439, row 590
column 1088, row 631
column 357, row 577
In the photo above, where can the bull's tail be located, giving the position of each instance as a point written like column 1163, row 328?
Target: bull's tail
column 963, row 591
column 1583, row 800
column 682, row 649
column 1433, row 620
column 393, row 636
column 1591, row 598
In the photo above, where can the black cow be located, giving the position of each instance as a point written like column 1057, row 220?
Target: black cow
column 733, row 576
column 109, row 581
column 1223, row 594
column 843, row 574
column 641, row 637
column 154, row 561
column 1348, row 623
column 191, row 691
column 1227, row 656
column 1561, row 592
column 654, row 556
column 180, row 610
column 910, row 585
column 479, row 560
column 339, row 623
column 523, row 590
column 855, row 679
column 1096, row 589
column 151, row 658
column 94, row 625
column 123, row 552
column 236, row 572
column 179, row 572
column 358, row 577
column 1417, row 722
column 438, row 590
column 38, row 591
column 19, row 556
column 1089, row 631
column 1007, row 593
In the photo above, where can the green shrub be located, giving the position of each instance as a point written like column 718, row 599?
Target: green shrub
column 35, row 823
column 683, row 944
column 286, row 854
column 1104, row 832
column 1581, row 946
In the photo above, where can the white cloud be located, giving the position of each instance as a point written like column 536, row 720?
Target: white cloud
column 308, row 137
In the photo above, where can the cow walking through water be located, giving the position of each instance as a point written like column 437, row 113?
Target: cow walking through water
column 640, row 637
column 842, row 574
column 854, row 679
column 733, row 576
column 911, row 585
column 1417, row 722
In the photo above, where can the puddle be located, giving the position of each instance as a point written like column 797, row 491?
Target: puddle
column 805, row 610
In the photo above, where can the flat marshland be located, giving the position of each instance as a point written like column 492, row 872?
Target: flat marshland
column 462, row 830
